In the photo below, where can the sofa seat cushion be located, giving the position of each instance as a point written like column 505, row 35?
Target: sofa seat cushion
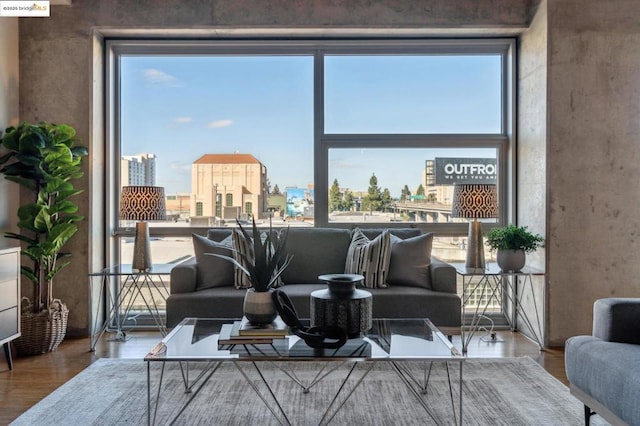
column 315, row 251
column 416, row 302
column 300, row 295
column 219, row 302
column 394, row 302
column 608, row 372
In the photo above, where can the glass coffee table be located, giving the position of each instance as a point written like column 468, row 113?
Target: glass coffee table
column 389, row 340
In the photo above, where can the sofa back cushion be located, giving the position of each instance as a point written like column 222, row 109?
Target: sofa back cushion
column 315, row 251
column 410, row 261
column 402, row 233
column 212, row 271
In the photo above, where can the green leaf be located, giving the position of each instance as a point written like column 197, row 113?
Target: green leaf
column 7, row 157
column 20, row 237
column 27, row 183
column 57, row 269
column 64, row 207
column 10, row 140
column 42, row 221
column 28, row 272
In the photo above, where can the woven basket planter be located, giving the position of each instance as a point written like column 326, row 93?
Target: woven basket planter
column 44, row 331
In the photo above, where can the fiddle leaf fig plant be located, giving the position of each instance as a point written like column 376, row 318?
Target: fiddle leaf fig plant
column 44, row 159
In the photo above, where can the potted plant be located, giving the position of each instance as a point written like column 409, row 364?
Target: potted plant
column 263, row 261
column 43, row 159
column 512, row 243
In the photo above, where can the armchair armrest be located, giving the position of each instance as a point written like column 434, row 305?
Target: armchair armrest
column 443, row 276
column 617, row 319
column 184, row 277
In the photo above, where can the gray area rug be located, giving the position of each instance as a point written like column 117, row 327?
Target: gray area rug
column 506, row 391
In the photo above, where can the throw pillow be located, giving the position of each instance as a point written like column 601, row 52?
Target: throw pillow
column 369, row 258
column 212, row 271
column 410, row 260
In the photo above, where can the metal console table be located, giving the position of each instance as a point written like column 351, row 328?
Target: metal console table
column 494, row 285
column 122, row 287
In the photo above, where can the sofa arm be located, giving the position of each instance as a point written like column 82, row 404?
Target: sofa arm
column 443, row 276
column 184, row 277
column 617, row 319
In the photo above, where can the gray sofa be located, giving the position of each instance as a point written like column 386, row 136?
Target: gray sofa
column 604, row 369
column 197, row 290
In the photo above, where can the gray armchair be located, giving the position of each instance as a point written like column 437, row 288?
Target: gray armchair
column 604, row 369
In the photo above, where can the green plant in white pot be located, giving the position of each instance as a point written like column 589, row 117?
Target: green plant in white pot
column 262, row 261
column 43, row 159
column 512, row 243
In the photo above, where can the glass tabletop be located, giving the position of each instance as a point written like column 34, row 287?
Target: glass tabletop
column 493, row 269
column 196, row 339
column 125, row 269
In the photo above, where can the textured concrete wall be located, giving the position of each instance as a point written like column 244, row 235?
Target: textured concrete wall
column 592, row 159
column 57, row 60
column 532, row 146
column 8, row 113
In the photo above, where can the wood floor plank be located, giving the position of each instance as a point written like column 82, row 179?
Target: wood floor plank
column 33, row 378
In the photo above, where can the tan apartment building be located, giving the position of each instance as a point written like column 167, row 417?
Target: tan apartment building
column 228, row 186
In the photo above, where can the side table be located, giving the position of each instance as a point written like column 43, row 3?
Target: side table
column 495, row 285
column 121, row 287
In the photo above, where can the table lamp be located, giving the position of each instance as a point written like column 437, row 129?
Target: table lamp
column 475, row 201
column 142, row 203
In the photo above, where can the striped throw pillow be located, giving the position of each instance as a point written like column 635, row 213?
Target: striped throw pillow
column 244, row 246
column 369, row 258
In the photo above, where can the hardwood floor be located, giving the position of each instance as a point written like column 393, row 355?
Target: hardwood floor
column 33, row 378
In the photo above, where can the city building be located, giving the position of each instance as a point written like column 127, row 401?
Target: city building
column 138, row 170
column 228, row 186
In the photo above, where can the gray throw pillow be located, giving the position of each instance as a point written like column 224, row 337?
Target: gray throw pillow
column 212, row 271
column 410, row 260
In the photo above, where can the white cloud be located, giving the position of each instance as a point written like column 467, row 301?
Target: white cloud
column 220, row 123
column 182, row 120
column 180, row 167
column 155, row 76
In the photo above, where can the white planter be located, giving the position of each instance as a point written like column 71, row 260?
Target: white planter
column 259, row 307
column 511, row 260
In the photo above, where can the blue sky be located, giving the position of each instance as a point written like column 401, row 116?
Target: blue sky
column 181, row 107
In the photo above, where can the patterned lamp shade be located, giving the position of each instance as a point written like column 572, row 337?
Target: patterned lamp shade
column 475, row 201
column 142, row 203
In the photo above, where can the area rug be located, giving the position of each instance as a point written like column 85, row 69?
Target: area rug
column 507, row 391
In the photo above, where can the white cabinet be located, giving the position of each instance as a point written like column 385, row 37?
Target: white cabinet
column 9, row 297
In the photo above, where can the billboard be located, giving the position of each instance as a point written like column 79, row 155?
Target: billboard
column 449, row 171
column 299, row 202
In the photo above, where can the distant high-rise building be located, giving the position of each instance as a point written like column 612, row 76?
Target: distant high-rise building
column 138, row 170
column 228, row 186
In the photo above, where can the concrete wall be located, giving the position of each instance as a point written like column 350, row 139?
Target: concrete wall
column 9, row 192
column 593, row 158
column 532, row 151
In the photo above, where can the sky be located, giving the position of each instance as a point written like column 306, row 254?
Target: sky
column 182, row 107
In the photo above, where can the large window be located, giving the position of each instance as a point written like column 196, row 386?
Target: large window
column 314, row 133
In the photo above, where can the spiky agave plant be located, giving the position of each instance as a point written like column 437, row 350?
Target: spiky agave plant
column 266, row 260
